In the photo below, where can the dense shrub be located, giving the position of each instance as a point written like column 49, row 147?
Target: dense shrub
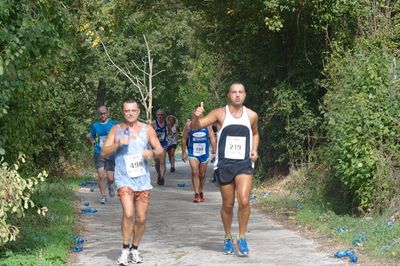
column 362, row 125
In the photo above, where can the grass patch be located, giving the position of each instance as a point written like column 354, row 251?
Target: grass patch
column 45, row 240
column 373, row 236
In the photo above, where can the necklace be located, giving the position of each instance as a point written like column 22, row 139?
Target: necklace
column 234, row 114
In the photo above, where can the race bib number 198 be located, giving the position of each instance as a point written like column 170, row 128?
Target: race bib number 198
column 235, row 147
column 135, row 165
column 199, row 149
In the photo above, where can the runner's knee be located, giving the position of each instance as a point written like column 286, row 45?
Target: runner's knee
column 244, row 203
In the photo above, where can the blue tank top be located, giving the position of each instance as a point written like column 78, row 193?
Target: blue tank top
column 131, row 170
column 99, row 132
column 198, row 144
column 162, row 133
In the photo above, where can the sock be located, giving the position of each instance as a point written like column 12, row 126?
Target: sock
column 133, row 247
column 125, row 246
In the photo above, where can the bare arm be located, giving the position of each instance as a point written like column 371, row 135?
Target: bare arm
column 202, row 122
column 185, row 136
column 256, row 136
column 110, row 145
column 212, row 140
column 157, row 151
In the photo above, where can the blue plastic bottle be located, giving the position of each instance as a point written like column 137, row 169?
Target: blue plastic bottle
column 77, row 249
column 126, row 134
column 88, row 210
column 344, row 253
column 353, row 258
column 78, row 240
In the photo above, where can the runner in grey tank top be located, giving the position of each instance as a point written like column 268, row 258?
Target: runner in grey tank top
column 134, row 143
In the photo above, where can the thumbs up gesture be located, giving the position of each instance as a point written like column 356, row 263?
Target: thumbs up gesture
column 199, row 110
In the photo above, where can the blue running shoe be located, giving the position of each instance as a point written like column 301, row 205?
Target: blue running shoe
column 228, row 246
column 243, row 249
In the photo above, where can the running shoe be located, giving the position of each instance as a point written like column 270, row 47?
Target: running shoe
column 196, row 199
column 135, row 256
column 243, row 249
column 201, row 197
column 103, row 200
column 228, row 246
column 160, row 181
column 123, row 259
column 111, row 190
column 172, row 169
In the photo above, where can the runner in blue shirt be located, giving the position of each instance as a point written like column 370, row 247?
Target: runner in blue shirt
column 104, row 165
column 197, row 143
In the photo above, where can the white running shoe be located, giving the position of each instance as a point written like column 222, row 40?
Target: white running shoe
column 135, row 256
column 103, row 200
column 111, row 190
column 123, row 259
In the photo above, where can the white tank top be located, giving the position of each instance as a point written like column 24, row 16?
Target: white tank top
column 234, row 139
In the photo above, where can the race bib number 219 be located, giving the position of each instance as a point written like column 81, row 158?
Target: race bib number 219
column 235, row 147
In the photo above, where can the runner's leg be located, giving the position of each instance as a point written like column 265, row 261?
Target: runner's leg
column 128, row 210
column 142, row 203
column 195, row 165
column 228, row 201
column 202, row 176
column 243, row 184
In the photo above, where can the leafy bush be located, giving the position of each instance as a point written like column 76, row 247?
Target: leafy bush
column 15, row 195
column 362, row 126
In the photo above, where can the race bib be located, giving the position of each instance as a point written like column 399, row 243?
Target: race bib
column 135, row 165
column 199, row 149
column 102, row 139
column 161, row 135
column 235, row 147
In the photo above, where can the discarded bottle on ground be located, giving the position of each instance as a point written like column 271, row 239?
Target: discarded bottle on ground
column 88, row 210
column 353, row 258
column 77, row 249
column 86, row 203
column 180, row 185
column 78, row 240
column 344, row 253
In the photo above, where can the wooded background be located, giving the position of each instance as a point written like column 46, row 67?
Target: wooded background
column 321, row 74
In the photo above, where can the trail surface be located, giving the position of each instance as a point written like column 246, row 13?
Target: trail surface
column 180, row 232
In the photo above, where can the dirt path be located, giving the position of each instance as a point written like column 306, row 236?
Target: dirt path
column 180, row 232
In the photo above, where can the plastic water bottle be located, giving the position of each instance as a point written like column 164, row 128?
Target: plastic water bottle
column 182, row 185
column 92, row 189
column 344, row 253
column 126, row 134
column 353, row 258
column 78, row 240
column 341, row 230
column 265, row 194
column 77, row 249
column 86, row 203
column 88, row 210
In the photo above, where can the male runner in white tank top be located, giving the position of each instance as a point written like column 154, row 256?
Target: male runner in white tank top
column 237, row 145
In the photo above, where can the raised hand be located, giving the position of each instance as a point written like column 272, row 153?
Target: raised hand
column 199, row 110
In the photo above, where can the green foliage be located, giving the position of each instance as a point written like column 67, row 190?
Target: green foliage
column 44, row 240
column 362, row 124
column 15, row 195
column 293, row 128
